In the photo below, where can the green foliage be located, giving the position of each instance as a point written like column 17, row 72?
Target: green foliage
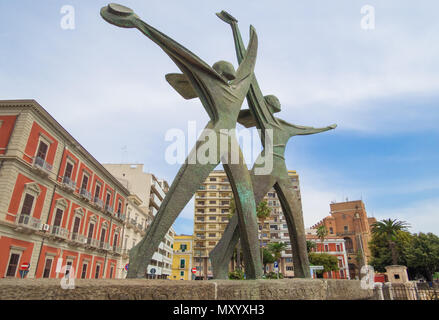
column 268, row 257
column 238, row 274
column 389, row 230
column 273, row 275
column 381, row 252
column 422, row 254
column 329, row 262
column 276, row 249
column 263, row 210
column 322, row 232
column 310, row 245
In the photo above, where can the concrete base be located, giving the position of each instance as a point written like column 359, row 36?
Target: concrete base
column 140, row 289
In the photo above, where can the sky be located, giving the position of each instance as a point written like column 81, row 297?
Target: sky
column 106, row 86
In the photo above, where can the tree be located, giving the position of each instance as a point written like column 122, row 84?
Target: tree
column 388, row 229
column 381, row 256
column 329, row 262
column 263, row 211
column 310, row 245
column 276, row 249
column 321, row 234
column 267, row 258
column 422, row 255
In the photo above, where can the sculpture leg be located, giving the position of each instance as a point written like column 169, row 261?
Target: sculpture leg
column 240, row 180
column 221, row 255
column 184, row 186
column 292, row 210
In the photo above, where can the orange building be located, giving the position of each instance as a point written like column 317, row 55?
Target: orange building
column 334, row 246
column 349, row 220
column 58, row 205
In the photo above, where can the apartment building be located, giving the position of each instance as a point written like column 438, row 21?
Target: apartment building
column 211, row 216
column 183, row 258
column 58, row 205
column 349, row 220
column 148, row 193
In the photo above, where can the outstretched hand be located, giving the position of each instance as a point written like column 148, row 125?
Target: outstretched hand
column 226, row 17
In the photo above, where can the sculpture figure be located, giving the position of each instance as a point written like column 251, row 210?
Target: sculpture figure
column 261, row 115
column 221, row 90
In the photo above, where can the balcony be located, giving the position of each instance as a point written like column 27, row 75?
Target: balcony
column 121, row 216
column 117, row 249
column 104, row 245
column 24, row 220
column 109, row 209
column 69, row 184
column 78, row 238
column 42, row 166
column 59, row 232
column 98, row 202
column 92, row 242
column 85, row 194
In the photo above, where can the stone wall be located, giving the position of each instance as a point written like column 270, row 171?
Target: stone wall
column 142, row 289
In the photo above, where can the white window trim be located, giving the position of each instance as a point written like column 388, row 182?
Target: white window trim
column 62, row 204
column 14, row 250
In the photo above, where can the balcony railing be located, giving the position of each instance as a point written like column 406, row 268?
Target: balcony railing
column 77, row 237
column 117, row 249
column 86, row 194
column 41, row 163
column 104, row 245
column 69, row 183
column 28, row 221
column 121, row 216
column 60, row 232
column 98, row 202
column 109, row 208
column 133, row 222
column 93, row 242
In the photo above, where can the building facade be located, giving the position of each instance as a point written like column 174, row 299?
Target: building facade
column 148, row 193
column 349, row 220
column 211, row 216
column 183, row 258
column 59, row 206
column 334, row 246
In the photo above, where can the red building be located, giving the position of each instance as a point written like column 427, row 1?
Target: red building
column 334, row 246
column 58, row 205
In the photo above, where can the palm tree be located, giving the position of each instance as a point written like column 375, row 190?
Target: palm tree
column 321, row 234
column 389, row 229
column 262, row 212
column 276, row 249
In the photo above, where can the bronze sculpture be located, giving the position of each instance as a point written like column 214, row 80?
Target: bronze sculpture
column 261, row 115
column 221, row 90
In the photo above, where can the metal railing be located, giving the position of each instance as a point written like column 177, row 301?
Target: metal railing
column 98, row 202
column 77, row 237
column 60, row 232
column 109, row 208
column 28, row 221
column 41, row 163
column 407, row 291
column 93, row 242
column 69, row 183
column 84, row 193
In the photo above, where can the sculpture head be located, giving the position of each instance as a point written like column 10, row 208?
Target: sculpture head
column 273, row 103
column 225, row 69
column 118, row 15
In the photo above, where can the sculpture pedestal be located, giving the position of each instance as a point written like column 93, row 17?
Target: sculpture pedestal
column 142, row 289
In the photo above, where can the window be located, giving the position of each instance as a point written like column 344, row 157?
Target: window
column 182, row 263
column 183, row 247
column 42, row 150
column 90, row 232
column 84, row 271
column 212, row 179
column 107, row 199
column 119, row 207
column 68, row 171
column 111, row 271
column 338, row 247
column 68, row 268
column 212, row 218
column 331, row 231
column 345, row 228
column 200, row 210
column 212, row 202
column 98, row 270
column 13, row 264
column 182, row 273
column 289, row 268
column 212, row 187
column 97, row 190
column 326, row 248
column 76, row 225
column 26, row 209
column 84, row 183
column 103, row 236
column 212, row 210
column 47, row 268
column 212, row 235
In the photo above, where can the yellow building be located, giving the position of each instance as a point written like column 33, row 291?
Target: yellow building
column 182, row 258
